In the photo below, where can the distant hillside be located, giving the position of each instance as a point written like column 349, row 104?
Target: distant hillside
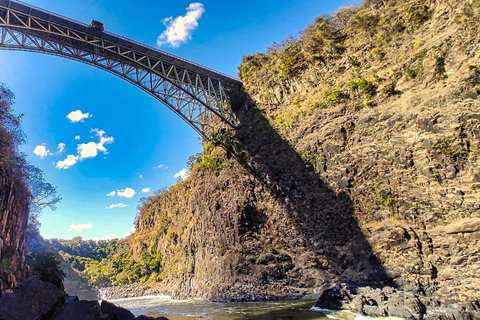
column 357, row 160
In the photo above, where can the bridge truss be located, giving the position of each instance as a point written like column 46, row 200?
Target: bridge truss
column 197, row 94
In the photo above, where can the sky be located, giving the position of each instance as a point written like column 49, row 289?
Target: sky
column 106, row 144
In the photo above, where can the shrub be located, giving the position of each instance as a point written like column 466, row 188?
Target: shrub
column 211, row 162
column 368, row 102
column 386, row 200
column 309, row 157
column 474, row 68
column 334, row 96
column 222, row 250
column 389, row 89
column 47, row 267
column 453, row 152
column 363, row 85
column 417, row 14
column 477, row 88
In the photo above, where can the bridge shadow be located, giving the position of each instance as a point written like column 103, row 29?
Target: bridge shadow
column 323, row 218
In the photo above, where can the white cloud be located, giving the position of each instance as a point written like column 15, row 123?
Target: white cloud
column 41, row 151
column 110, row 237
column 146, row 190
column 179, row 29
column 159, row 166
column 103, row 140
column 80, row 227
column 87, row 150
column 141, row 176
column 111, row 194
column 127, row 193
column 77, row 137
column 107, row 231
column 181, row 175
column 78, row 116
column 68, row 162
column 61, row 147
column 117, row 205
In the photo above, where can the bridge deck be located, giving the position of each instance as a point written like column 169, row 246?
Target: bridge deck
column 121, row 41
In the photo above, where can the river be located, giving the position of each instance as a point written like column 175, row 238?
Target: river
column 157, row 306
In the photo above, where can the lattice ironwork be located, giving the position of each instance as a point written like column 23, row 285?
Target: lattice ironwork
column 196, row 93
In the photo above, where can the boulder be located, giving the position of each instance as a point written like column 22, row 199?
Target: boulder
column 118, row 313
column 78, row 310
column 334, row 298
column 32, row 299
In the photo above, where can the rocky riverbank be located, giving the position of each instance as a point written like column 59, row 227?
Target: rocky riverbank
column 391, row 302
column 240, row 292
column 35, row 299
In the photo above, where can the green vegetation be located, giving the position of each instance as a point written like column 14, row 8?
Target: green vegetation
column 222, row 250
column 47, row 267
column 452, row 151
column 364, row 86
column 390, row 90
column 474, row 68
column 334, row 96
column 210, row 162
column 417, row 14
column 386, row 199
column 310, row 158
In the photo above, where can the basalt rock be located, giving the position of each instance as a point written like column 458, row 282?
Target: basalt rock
column 33, row 299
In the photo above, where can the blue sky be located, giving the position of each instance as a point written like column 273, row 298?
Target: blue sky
column 129, row 141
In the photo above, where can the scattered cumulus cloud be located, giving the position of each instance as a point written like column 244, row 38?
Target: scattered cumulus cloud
column 117, row 205
column 159, row 166
column 110, row 237
column 107, row 231
column 77, row 137
column 181, row 175
column 61, row 147
column 78, row 116
column 146, row 190
column 80, row 227
column 127, row 193
column 111, row 194
column 87, row 150
column 179, row 29
column 71, row 160
column 41, row 151
column 141, row 176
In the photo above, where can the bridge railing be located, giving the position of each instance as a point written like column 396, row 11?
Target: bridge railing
column 129, row 40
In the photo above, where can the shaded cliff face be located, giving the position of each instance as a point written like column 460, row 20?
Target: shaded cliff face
column 14, row 198
column 359, row 158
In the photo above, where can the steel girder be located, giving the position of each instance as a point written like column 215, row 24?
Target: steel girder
column 195, row 93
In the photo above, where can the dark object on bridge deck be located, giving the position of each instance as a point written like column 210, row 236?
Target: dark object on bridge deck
column 96, row 25
column 95, row 28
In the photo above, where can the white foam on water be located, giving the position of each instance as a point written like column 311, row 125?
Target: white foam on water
column 151, row 297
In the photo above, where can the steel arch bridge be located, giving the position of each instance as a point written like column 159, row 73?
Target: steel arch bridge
column 197, row 94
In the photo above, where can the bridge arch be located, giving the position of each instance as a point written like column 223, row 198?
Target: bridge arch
column 195, row 93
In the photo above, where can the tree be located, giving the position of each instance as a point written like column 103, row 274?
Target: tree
column 43, row 193
column 47, row 267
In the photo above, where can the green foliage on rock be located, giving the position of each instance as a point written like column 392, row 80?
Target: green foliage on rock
column 334, row 96
column 452, row 151
column 47, row 267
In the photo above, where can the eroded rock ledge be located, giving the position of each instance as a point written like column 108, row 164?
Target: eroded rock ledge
column 35, row 299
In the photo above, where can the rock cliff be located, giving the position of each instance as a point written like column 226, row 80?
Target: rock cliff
column 356, row 161
column 14, row 198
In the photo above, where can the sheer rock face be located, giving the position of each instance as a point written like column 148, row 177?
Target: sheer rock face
column 14, row 210
column 340, row 184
